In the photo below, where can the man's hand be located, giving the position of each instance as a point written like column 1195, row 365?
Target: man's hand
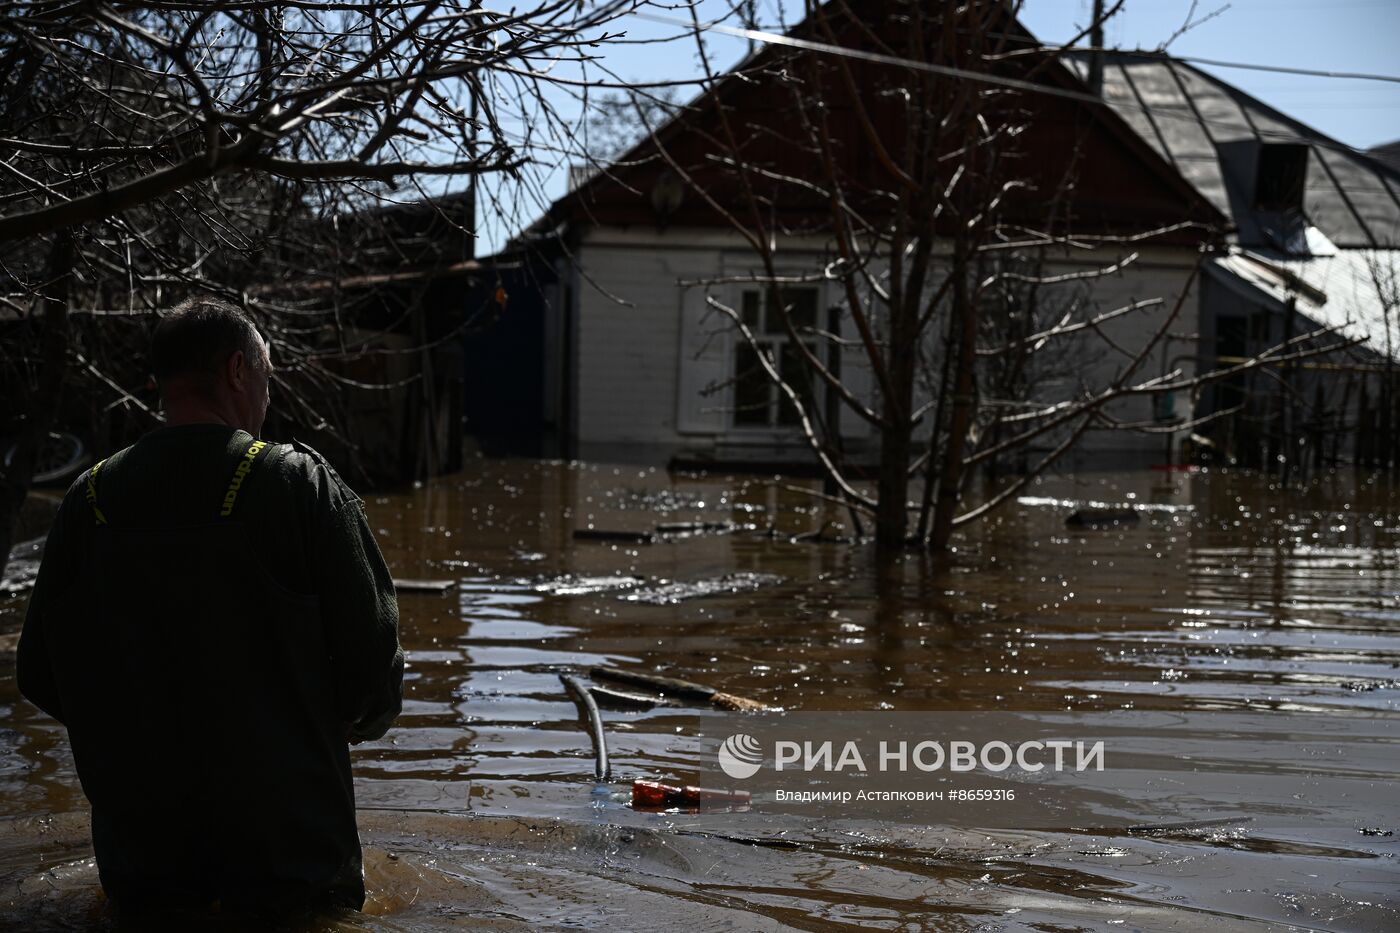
column 349, row 731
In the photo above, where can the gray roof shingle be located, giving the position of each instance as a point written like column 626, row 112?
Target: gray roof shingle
column 1191, row 118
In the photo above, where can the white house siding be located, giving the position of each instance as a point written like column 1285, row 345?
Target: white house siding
column 638, row 377
column 1156, row 274
column 636, row 361
column 626, row 365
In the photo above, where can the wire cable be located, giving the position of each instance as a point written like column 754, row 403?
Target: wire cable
column 773, row 38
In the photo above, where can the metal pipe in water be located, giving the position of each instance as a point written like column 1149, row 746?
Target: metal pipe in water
column 584, row 699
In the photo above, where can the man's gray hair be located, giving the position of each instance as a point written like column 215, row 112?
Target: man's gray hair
column 196, row 337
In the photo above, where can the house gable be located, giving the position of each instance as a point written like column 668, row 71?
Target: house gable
column 1121, row 186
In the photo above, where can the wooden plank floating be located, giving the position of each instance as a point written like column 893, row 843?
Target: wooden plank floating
column 626, row 699
column 675, row 687
column 619, row 537
column 670, row 686
column 404, row 585
column 663, row 531
column 729, row 701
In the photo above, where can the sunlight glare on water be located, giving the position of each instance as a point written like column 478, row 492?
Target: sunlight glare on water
column 479, row 807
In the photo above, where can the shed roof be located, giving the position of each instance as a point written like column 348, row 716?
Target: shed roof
column 1204, row 127
column 1353, row 291
column 1389, row 153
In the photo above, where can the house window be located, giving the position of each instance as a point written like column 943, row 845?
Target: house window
column 758, row 403
column 1280, row 177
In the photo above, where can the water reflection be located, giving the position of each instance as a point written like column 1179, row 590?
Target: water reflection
column 1227, row 594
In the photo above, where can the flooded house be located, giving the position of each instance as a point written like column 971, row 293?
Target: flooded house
column 1314, row 245
column 637, row 365
column 622, row 356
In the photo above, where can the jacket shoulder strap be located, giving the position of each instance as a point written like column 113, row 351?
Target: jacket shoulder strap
column 251, row 456
column 90, row 492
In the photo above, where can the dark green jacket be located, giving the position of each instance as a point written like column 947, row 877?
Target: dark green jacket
column 212, row 618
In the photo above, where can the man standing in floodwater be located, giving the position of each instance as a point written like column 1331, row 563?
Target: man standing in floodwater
column 214, row 624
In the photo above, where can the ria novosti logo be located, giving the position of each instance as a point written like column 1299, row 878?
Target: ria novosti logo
column 740, row 756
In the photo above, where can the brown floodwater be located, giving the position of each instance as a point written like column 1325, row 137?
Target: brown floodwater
column 479, row 810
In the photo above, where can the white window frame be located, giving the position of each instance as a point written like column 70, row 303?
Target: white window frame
column 774, row 430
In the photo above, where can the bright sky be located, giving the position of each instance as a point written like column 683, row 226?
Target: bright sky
column 1324, row 35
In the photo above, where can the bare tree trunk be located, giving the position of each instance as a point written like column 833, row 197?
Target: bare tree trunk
column 891, row 518
column 1384, row 408
column 896, row 441
column 831, row 403
column 1319, row 428
column 964, row 384
column 1392, row 432
column 1364, row 426
column 16, row 479
column 936, row 433
column 1339, row 425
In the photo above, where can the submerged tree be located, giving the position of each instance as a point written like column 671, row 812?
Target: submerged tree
column 943, row 157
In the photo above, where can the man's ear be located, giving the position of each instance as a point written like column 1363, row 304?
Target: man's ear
column 236, row 369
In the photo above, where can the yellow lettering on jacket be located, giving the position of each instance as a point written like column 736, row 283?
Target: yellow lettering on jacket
column 90, row 493
column 244, row 466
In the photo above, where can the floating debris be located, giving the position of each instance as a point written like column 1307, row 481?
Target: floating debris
column 673, row 686
column 620, row 537
column 654, row 795
column 1193, row 829
column 668, row 593
column 764, row 842
column 626, row 699
column 1103, row 518
column 680, row 689
column 423, row 586
column 1375, row 831
column 665, row 531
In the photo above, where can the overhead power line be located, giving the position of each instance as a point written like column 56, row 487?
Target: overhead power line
column 774, row 38
column 1278, row 69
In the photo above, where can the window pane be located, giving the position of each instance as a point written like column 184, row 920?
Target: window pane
column 801, row 304
column 752, row 388
column 749, row 309
column 798, row 376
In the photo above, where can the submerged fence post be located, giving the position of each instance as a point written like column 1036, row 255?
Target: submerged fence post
column 1363, row 425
